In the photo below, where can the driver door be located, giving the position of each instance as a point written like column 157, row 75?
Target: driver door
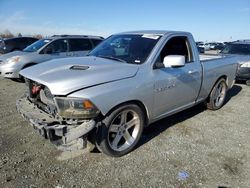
column 176, row 87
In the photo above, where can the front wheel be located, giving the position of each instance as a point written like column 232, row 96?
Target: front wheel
column 120, row 131
column 248, row 82
column 217, row 96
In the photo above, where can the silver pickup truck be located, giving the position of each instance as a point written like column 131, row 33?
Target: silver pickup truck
column 127, row 82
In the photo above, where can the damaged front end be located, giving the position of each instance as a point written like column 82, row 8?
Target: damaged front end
column 65, row 121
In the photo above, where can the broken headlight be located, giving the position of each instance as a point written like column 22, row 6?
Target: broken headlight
column 75, row 108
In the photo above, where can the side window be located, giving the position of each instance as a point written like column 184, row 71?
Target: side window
column 79, row 44
column 24, row 41
column 177, row 46
column 96, row 42
column 58, row 46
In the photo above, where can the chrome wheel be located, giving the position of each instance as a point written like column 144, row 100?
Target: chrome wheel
column 217, row 96
column 220, row 93
column 123, row 130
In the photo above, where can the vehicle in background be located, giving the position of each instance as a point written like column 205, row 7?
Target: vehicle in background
column 199, row 47
column 216, row 46
column 57, row 46
column 205, row 46
column 242, row 49
column 211, row 45
column 1, row 44
column 14, row 44
column 127, row 82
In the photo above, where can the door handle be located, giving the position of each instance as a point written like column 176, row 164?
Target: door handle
column 192, row 72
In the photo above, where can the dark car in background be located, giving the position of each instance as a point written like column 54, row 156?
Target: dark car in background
column 14, row 44
column 200, row 47
column 219, row 46
column 242, row 48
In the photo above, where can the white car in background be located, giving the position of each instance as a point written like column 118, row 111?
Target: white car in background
column 57, row 46
column 206, row 46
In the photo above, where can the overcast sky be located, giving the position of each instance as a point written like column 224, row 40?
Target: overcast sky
column 208, row 20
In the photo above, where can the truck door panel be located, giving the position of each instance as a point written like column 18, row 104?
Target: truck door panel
column 179, row 86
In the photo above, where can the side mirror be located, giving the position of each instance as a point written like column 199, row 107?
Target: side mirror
column 174, row 61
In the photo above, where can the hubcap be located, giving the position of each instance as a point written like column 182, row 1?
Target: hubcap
column 220, row 93
column 123, row 130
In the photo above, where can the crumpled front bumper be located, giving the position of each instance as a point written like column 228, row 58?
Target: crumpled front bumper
column 64, row 136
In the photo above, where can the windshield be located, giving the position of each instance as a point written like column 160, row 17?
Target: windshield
column 130, row 48
column 36, row 45
column 243, row 49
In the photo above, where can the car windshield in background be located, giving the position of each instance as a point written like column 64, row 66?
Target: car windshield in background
column 130, row 48
column 37, row 45
column 243, row 49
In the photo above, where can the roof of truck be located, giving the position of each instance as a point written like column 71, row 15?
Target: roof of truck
column 154, row 32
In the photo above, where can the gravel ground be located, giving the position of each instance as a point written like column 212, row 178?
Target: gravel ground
column 195, row 148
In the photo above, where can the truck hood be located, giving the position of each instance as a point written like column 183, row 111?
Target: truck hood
column 64, row 76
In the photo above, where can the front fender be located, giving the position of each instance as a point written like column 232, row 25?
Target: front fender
column 109, row 95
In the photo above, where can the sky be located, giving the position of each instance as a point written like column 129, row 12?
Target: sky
column 207, row 20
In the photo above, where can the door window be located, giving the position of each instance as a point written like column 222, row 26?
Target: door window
column 96, row 42
column 177, row 46
column 80, row 45
column 58, row 46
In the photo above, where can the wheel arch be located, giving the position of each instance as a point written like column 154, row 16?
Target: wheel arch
column 224, row 77
column 136, row 102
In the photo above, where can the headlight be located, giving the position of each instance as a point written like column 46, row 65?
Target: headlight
column 245, row 64
column 13, row 59
column 75, row 108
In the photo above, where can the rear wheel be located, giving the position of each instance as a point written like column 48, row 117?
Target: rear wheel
column 120, row 131
column 217, row 96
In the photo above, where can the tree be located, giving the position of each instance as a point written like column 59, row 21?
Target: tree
column 38, row 36
column 7, row 34
column 19, row 35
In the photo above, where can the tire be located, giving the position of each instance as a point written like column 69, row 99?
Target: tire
column 120, row 131
column 248, row 82
column 217, row 96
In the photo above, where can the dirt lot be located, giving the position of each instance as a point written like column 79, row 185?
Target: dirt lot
column 195, row 148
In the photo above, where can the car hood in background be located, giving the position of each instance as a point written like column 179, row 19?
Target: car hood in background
column 64, row 76
column 12, row 54
column 239, row 58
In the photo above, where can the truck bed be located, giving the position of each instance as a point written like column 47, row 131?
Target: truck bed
column 215, row 66
column 207, row 57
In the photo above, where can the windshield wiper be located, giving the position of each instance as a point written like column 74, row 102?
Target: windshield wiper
column 113, row 58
